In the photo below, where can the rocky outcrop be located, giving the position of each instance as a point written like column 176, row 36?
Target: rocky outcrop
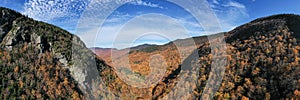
column 69, row 66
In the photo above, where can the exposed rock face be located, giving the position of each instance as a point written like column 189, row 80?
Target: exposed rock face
column 58, row 63
column 6, row 19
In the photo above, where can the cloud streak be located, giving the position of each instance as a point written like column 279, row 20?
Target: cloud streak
column 230, row 13
column 147, row 4
column 236, row 5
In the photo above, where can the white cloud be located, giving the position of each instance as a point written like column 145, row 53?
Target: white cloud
column 63, row 13
column 230, row 13
column 55, row 10
column 228, row 18
column 215, row 1
column 148, row 4
column 89, row 28
column 48, row 11
column 235, row 4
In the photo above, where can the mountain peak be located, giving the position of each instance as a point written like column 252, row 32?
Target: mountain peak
column 7, row 17
column 48, row 54
column 290, row 22
column 278, row 16
column 4, row 11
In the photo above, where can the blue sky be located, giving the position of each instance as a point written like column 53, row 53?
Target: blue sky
column 126, row 23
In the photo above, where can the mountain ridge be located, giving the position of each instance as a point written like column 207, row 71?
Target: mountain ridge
column 260, row 55
column 42, row 61
column 31, row 47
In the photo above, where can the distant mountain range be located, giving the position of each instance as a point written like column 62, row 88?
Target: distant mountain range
column 261, row 54
column 42, row 61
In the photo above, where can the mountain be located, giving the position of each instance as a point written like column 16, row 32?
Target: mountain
column 106, row 53
column 139, row 47
column 42, row 61
column 260, row 59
